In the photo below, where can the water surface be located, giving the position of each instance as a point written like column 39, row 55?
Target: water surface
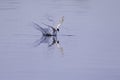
column 92, row 53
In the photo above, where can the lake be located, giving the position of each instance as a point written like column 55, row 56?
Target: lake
column 87, row 46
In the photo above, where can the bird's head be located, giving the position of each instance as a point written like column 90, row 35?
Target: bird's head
column 57, row 29
column 57, row 42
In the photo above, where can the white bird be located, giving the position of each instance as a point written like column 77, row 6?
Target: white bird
column 46, row 31
column 59, row 24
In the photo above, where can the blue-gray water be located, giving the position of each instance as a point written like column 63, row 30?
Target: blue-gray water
column 92, row 53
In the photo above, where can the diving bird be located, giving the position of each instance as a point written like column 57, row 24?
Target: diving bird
column 47, row 31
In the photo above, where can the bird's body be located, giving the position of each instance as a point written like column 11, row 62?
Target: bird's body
column 50, row 31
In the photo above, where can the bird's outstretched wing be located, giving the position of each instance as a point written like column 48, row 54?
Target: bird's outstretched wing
column 60, row 22
column 43, row 39
column 49, row 26
column 38, row 27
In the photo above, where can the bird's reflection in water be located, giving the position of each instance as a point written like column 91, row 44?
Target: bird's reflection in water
column 49, row 35
column 50, row 40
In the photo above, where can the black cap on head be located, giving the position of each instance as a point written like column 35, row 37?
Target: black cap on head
column 57, row 29
column 58, row 42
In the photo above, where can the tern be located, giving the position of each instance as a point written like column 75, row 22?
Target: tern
column 47, row 31
column 51, row 41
